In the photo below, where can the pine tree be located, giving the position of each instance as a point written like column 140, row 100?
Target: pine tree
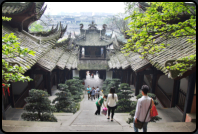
column 133, row 106
column 124, row 101
column 76, row 87
column 108, row 83
column 64, row 101
column 38, row 107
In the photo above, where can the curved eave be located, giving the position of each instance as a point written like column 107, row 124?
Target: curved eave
column 56, row 35
column 63, row 30
column 39, row 6
column 38, row 16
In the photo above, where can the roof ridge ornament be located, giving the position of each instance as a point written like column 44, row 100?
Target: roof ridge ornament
column 81, row 25
column 92, row 26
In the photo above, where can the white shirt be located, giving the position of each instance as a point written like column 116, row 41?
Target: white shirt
column 110, row 101
column 142, row 106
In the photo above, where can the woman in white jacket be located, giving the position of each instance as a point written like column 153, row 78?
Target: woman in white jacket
column 111, row 102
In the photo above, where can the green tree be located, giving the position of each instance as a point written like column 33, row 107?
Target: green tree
column 38, row 107
column 108, row 83
column 158, row 19
column 124, row 102
column 36, row 27
column 64, row 100
column 12, row 71
column 76, row 87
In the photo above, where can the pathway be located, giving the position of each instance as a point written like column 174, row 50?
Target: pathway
column 86, row 120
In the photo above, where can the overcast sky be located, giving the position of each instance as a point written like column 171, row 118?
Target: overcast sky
column 108, row 7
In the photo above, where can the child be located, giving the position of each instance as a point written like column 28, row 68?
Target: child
column 93, row 93
column 99, row 103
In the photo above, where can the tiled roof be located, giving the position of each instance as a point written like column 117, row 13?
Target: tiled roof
column 49, row 60
column 28, row 42
column 63, row 60
column 15, row 8
column 179, row 47
column 119, row 60
column 136, row 62
column 92, row 39
column 92, row 65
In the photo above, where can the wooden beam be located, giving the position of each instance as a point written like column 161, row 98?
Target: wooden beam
column 45, row 79
column 154, row 81
column 58, row 78
column 32, row 84
column 189, row 95
column 176, row 87
column 49, row 84
column 137, row 84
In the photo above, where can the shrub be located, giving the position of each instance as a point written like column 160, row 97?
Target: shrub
column 38, row 107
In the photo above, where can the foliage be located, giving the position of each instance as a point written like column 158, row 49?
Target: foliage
column 76, row 88
column 64, row 101
column 133, row 107
column 36, row 27
column 158, row 19
column 70, row 95
column 12, row 71
column 108, row 83
column 123, row 104
column 38, row 107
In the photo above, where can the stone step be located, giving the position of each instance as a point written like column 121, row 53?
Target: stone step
column 61, row 117
column 33, row 126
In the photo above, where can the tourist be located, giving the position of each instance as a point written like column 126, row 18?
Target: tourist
column 142, row 106
column 97, row 92
column 88, row 92
column 93, row 93
column 99, row 103
column 111, row 102
column 101, row 93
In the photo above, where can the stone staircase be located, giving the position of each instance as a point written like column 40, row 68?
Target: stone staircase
column 33, row 126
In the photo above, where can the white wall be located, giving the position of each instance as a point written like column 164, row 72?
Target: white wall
column 109, row 74
column 75, row 73
column 19, row 87
column 184, row 84
column 166, row 84
column 147, row 82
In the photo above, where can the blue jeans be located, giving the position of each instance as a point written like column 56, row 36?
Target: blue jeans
column 144, row 126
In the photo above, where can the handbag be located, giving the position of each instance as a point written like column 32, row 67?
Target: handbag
column 104, row 111
column 140, row 124
column 153, row 111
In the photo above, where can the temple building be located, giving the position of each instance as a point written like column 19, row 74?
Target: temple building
column 92, row 50
column 93, row 45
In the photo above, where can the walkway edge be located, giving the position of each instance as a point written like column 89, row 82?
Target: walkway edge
column 72, row 119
